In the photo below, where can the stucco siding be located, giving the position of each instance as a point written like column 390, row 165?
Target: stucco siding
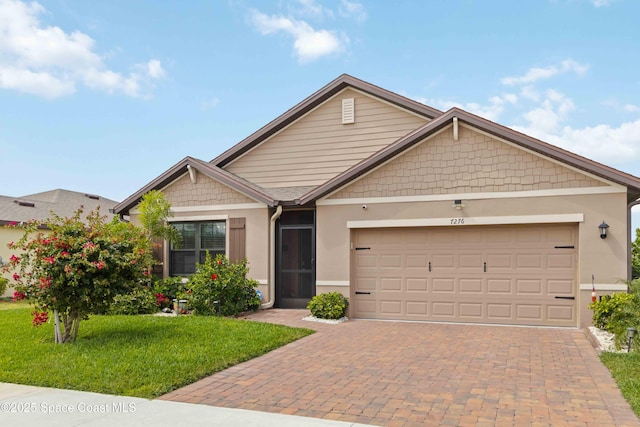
column 476, row 163
column 8, row 235
column 318, row 146
column 204, row 192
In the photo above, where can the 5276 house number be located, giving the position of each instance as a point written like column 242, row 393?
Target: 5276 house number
column 457, row 221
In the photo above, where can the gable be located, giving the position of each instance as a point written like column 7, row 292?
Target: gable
column 476, row 163
column 206, row 191
column 318, row 146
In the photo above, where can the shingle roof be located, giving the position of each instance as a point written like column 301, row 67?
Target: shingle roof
column 39, row 206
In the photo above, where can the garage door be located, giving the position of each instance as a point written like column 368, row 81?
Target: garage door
column 481, row 274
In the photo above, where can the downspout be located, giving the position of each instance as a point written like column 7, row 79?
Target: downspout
column 272, row 260
column 630, row 237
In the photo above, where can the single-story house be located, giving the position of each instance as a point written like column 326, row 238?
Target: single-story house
column 411, row 212
column 40, row 206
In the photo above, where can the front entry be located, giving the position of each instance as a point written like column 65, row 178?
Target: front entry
column 296, row 270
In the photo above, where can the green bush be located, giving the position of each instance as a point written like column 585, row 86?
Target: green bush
column 220, row 287
column 139, row 301
column 3, row 285
column 619, row 312
column 169, row 289
column 609, row 309
column 332, row 305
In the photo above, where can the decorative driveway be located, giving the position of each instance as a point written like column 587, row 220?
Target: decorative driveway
column 399, row 374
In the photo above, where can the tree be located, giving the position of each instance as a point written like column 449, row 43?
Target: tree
column 155, row 209
column 77, row 268
column 635, row 256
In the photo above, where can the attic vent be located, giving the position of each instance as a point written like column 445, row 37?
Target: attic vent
column 348, row 111
column 25, row 203
column 92, row 196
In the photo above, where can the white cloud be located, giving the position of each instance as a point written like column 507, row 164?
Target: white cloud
column 48, row 62
column 311, row 9
column 535, row 74
column 309, row 44
column 210, row 104
column 490, row 111
column 352, row 9
column 601, row 3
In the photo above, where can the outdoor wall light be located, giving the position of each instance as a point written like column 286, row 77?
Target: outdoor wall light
column 603, row 230
column 631, row 332
column 458, row 204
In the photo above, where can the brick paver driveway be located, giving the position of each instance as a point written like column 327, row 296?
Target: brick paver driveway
column 398, row 373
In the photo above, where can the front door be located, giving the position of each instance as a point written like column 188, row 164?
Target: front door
column 295, row 285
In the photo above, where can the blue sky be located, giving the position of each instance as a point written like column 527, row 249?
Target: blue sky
column 103, row 96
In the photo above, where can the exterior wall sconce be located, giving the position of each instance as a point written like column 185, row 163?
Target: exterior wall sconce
column 631, row 332
column 458, row 204
column 603, row 230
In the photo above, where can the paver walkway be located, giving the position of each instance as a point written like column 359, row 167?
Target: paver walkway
column 399, row 373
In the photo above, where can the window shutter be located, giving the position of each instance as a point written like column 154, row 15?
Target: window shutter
column 237, row 239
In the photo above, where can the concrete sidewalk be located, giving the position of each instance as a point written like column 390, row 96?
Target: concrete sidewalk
column 26, row 406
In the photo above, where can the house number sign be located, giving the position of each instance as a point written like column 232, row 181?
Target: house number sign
column 457, row 221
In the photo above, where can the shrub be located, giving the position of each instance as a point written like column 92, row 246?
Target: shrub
column 220, row 287
column 170, row 287
column 332, row 305
column 609, row 309
column 3, row 285
column 139, row 301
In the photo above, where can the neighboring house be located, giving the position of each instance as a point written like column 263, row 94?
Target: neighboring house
column 413, row 213
column 40, row 206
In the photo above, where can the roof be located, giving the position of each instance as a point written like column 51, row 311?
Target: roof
column 307, row 195
column 40, row 206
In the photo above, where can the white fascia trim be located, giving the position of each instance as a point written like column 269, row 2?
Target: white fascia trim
column 603, row 287
column 199, row 218
column 263, row 281
column 340, row 283
column 473, row 196
column 462, row 221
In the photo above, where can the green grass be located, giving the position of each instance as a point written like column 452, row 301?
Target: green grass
column 143, row 356
column 625, row 369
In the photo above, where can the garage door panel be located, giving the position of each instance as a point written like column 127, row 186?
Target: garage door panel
column 529, row 286
column 417, row 308
column 469, row 310
column 560, row 287
column 447, row 285
column 444, row 309
column 438, row 274
column 529, row 312
column 499, row 286
column 391, row 284
column 471, row 286
column 417, row 285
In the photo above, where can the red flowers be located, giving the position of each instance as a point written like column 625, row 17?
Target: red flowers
column 14, row 259
column 214, row 276
column 161, row 300
column 40, row 318
column 64, row 254
column 99, row 265
column 45, row 282
column 18, row 296
column 219, row 262
column 16, row 276
column 49, row 259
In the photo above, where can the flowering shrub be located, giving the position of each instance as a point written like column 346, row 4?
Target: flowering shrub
column 78, row 268
column 139, row 301
column 221, row 287
column 331, row 305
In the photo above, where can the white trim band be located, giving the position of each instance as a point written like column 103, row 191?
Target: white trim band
column 198, row 218
column 462, row 221
column 473, row 196
column 603, row 287
column 338, row 283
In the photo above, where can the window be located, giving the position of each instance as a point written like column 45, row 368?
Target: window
column 198, row 238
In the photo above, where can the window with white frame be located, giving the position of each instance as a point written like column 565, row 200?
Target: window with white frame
column 198, row 238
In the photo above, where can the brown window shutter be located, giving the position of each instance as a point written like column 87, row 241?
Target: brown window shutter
column 237, row 239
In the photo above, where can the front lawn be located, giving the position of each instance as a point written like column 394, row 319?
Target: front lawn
column 143, row 356
column 625, row 369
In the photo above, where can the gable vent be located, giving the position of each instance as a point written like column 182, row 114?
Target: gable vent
column 92, row 196
column 25, row 203
column 348, row 111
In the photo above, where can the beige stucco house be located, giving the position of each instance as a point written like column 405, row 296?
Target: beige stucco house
column 411, row 212
column 39, row 207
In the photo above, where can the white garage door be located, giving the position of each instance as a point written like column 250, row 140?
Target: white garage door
column 481, row 274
